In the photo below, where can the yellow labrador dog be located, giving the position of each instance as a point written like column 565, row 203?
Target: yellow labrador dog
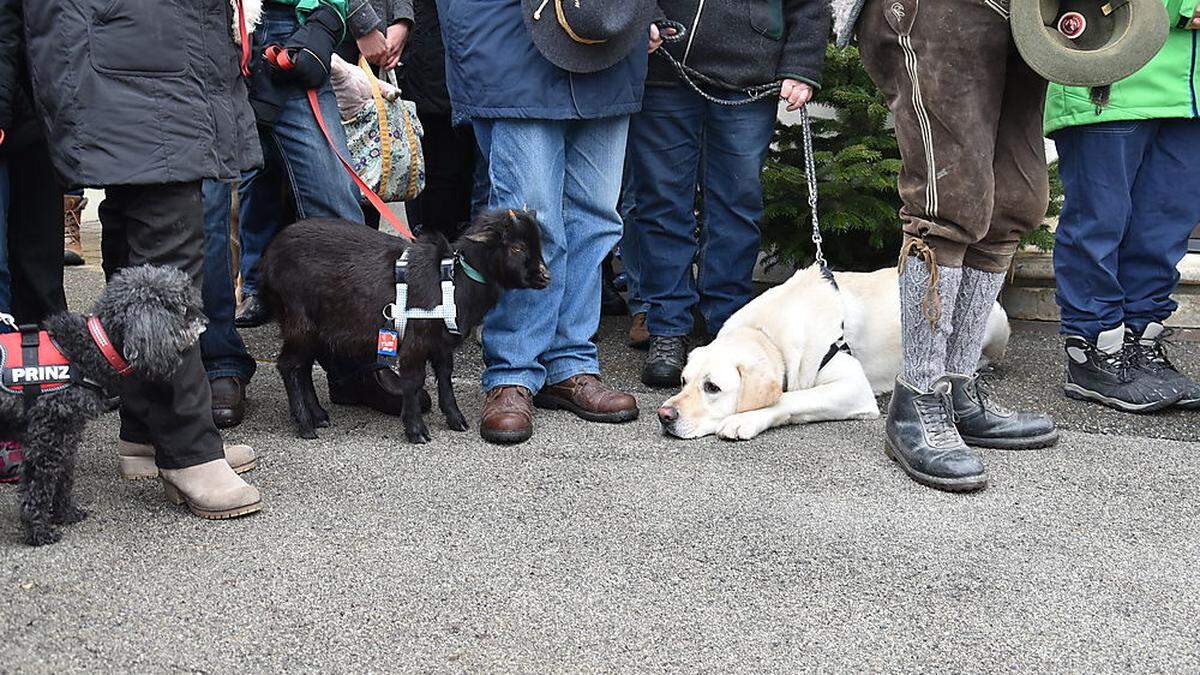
column 809, row 350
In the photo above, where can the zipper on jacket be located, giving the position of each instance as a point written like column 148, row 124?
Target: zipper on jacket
column 1192, row 79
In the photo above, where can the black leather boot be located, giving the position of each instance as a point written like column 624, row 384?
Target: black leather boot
column 922, row 439
column 252, row 313
column 986, row 424
column 665, row 362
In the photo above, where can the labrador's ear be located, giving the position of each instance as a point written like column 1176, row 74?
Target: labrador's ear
column 759, row 390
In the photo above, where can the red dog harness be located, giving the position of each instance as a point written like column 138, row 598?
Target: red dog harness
column 32, row 364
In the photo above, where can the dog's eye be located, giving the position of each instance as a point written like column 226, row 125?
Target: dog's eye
column 711, row 388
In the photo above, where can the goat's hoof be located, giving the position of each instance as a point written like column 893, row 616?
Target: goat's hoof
column 307, row 434
column 457, row 422
column 70, row 516
column 418, row 436
column 42, row 536
column 320, row 418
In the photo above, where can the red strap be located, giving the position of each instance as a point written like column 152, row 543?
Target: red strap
column 100, row 337
column 366, row 190
column 245, row 39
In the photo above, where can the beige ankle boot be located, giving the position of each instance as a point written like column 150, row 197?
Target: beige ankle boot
column 72, row 237
column 137, row 459
column 211, row 490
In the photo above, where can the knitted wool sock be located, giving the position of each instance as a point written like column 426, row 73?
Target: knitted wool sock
column 976, row 295
column 924, row 342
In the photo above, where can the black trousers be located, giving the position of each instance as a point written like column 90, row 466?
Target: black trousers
column 163, row 225
column 35, row 235
column 449, row 151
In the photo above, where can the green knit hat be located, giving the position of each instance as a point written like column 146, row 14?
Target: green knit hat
column 1088, row 43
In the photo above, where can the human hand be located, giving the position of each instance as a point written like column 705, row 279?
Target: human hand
column 374, row 47
column 796, row 93
column 656, row 37
column 397, row 37
column 1194, row 24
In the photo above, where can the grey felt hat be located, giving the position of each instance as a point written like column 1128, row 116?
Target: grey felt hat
column 1088, row 43
column 585, row 36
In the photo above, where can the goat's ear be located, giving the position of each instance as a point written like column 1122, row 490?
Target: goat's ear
column 485, row 236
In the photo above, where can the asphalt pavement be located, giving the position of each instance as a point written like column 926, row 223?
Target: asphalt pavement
column 605, row 548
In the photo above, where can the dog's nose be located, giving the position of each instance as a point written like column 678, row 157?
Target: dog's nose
column 668, row 414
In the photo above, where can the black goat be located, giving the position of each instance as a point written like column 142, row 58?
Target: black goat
column 328, row 282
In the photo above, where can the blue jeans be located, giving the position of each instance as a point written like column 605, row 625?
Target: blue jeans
column 1130, row 205
column 631, row 261
column 569, row 171
column 221, row 347
column 5, row 273
column 296, row 156
column 678, row 141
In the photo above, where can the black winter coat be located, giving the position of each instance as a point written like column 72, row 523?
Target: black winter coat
column 139, row 92
column 424, row 73
column 16, row 110
column 740, row 43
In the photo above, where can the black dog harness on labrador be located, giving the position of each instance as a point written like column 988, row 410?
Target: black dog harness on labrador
column 399, row 312
column 840, row 344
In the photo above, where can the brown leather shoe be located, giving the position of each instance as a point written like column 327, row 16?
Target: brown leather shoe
column 72, row 238
column 228, row 401
column 639, row 334
column 590, row 398
column 507, row 415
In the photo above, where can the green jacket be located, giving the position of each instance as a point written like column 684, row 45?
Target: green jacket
column 1167, row 87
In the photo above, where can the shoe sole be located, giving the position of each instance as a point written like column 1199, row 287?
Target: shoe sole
column 662, row 383
column 971, row 484
column 555, row 403
column 1078, row 393
column 1026, row 443
column 509, row 437
column 142, row 468
column 179, row 499
column 639, row 344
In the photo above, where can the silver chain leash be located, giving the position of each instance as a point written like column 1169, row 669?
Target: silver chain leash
column 810, row 174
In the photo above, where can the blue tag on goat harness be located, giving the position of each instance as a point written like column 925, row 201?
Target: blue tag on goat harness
column 388, row 343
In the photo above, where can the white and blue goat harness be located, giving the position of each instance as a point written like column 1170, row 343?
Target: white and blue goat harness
column 399, row 313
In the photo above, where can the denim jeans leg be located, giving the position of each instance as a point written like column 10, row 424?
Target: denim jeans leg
column 525, row 160
column 1162, row 219
column 595, row 150
column 664, row 149
column 736, row 139
column 221, row 346
column 631, row 259
column 1098, row 164
column 5, row 274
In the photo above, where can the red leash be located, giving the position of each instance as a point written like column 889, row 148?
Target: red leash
column 282, row 60
column 242, row 33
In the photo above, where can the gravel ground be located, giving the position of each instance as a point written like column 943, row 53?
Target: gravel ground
column 612, row 548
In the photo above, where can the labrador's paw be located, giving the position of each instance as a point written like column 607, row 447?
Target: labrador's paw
column 744, row 426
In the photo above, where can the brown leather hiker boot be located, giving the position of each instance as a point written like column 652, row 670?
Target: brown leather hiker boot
column 639, row 334
column 590, row 398
column 72, row 238
column 507, row 415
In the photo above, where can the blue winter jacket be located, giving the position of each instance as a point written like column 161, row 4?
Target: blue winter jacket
column 494, row 71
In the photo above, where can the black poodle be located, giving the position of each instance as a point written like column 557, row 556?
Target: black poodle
column 143, row 322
